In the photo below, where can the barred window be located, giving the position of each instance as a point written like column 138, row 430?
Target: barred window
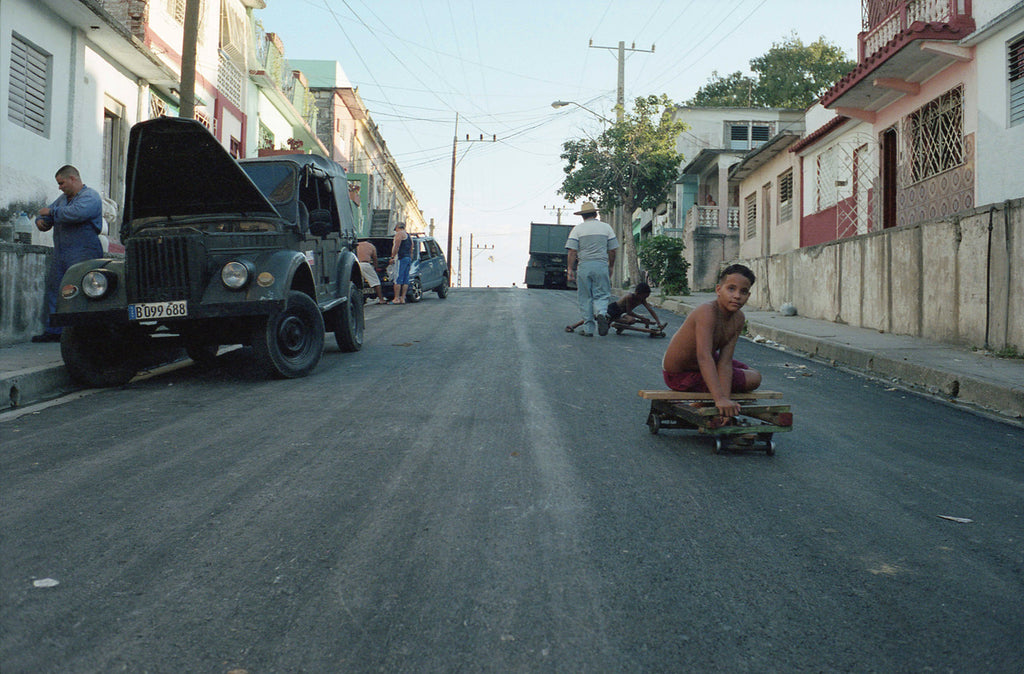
column 157, row 106
column 176, row 8
column 825, row 180
column 1015, row 58
column 28, row 97
column 266, row 141
column 937, row 135
column 786, row 196
column 750, row 209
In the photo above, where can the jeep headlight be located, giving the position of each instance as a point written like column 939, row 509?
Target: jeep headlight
column 234, row 275
column 96, row 284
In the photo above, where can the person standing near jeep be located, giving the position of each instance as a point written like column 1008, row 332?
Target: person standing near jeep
column 366, row 253
column 77, row 220
column 401, row 257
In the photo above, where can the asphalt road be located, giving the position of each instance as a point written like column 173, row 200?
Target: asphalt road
column 476, row 491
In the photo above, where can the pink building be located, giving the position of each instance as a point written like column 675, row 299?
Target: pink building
column 925, row 126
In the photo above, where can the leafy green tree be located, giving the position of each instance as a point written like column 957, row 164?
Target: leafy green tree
column 731, row 91
column 632, row 164
column 789, row 75
column 662, row 257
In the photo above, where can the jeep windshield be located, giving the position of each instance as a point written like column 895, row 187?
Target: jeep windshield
column 277, row 180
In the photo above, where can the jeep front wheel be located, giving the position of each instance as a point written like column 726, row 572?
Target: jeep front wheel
column 98, row 356
column 290, row 343
column 415, row 291
column 346, row 321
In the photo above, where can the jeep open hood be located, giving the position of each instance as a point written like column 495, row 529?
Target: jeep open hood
column 176, row 168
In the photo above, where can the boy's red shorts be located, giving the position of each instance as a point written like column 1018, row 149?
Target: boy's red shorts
column 692, row 381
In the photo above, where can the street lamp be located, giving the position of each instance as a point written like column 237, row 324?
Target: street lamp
column 562, row 104
column 618, row 225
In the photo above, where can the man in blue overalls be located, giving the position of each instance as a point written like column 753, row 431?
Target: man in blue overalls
column 76, row 218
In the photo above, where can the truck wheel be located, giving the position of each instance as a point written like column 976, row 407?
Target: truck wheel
column 442, row 290
column 346, row 321
column 415, row 291
column 290, row 343
column 98, row 356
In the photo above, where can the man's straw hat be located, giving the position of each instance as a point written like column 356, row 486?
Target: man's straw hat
column 588, row 208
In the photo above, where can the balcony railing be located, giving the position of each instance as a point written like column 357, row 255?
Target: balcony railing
column 706, row 217
column 884, row 19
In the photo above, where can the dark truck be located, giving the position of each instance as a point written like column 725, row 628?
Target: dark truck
column 217, row 251
column 548, row 257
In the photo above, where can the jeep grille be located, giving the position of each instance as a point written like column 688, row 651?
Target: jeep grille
column 157, row 268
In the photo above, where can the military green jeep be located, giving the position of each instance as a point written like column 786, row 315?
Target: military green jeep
column 256, row 252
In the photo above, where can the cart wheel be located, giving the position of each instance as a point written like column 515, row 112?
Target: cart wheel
column 618, row 331
column 770, row 449
column 719, row 445
column 653, row 423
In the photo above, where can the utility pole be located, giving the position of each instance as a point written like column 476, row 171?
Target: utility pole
column 451, row 196
column 620, row 226
column 557, row 210
column 458, row 283
column 187, row 102
column 471, row 249
column 451, row 200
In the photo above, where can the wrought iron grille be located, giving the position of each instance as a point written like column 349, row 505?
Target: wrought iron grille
column 157, row 268
column 937, row 135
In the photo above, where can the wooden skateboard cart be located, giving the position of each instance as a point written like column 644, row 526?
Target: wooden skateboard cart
column 655, row 330
column 677, row 409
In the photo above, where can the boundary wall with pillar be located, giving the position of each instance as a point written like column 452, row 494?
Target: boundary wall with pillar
column 958, row 280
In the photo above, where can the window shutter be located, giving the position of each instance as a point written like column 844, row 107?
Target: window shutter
column 1016, row 63
column 786, row 196
column 27, row 98
column 751, row 213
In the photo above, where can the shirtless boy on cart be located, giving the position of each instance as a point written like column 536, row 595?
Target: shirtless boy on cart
column 699, row 356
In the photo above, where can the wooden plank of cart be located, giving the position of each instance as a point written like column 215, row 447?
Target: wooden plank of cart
column 752, row 429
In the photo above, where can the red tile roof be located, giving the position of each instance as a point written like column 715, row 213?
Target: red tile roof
column 823, row 130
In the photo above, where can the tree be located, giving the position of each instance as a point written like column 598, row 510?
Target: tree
column 632, row 164
column 662, row 256
column 732, row 91
column 789, row 75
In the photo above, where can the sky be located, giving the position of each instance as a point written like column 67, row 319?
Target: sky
column 498, row 66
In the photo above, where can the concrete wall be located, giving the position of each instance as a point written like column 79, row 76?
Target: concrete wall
column 23, row 270
column 959, row 280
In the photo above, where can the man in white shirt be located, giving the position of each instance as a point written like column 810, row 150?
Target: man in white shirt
column 593, row 244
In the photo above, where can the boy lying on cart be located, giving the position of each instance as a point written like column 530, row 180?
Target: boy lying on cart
column 622, row 310
column 699, row 356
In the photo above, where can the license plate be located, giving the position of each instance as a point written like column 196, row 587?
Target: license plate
column 152, row 311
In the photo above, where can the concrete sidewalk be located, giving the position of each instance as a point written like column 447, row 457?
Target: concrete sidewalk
column 33, row 372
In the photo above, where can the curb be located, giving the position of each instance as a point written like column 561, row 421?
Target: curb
column 34, row 384
column 954, row 388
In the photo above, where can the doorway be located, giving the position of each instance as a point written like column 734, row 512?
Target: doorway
column 888, row 178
